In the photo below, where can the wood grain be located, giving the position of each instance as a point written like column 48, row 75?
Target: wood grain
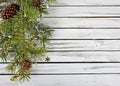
column 82, row 56
column 84, row 12
column 91, row 56
column 86, row 33
column 87, row 2
column 82, row 22
column 69, row 80
column 84, row 48
column 76, row 45
column 71, row 68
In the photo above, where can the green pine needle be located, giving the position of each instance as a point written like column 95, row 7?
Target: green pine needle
column 25, row 36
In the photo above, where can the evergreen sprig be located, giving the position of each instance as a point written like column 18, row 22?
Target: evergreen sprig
column 24, row 36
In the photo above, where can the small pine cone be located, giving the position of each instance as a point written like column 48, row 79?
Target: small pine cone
column 26, row 64
column 37, row 3
column 10, row 11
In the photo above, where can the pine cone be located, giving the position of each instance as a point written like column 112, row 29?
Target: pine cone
column 10, row 11
column 37, row 3
column 26, row 64
column 1, row 1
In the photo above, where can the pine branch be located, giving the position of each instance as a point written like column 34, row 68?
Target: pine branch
column 21, row 76
column 22, row 33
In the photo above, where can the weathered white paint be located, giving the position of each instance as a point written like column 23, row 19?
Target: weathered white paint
column 83, row 56
column 85, row 31
column 87, row 2
column 83, row 45
column 66, row 80
column 68, row 68
column 88, row 56
column 74, row 45
column 82, row 22
column 83, row 11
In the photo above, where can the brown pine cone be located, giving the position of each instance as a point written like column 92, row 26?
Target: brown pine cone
column 9, row 11
column 37, row 3
column 26, row 64
column 1, row 1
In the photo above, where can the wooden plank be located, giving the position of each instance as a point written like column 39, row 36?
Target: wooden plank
column 82, row 22
column 90, row 56
column 86, row 33
column 71, row 68
column 2, row 4
column 83, row 50
column 83, row 12
column 76, row 45
column 69, row 80
column 88, row 2
column 85, row 56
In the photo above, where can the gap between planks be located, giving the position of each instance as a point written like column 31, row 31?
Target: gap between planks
column 82, row 17
column 60, row 5
column 66, row 74
column 87, row 62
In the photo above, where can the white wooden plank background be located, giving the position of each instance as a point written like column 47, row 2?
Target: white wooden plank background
column 67, row 80
column 87, row 2
column 84, row 48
